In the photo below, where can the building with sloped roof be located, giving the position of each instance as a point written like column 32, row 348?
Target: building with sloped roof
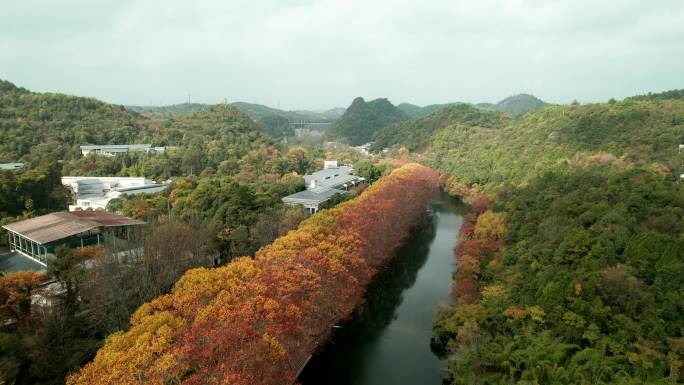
column 38, row 237
column 323, row 185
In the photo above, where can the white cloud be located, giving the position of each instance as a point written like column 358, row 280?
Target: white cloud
column 317, row 54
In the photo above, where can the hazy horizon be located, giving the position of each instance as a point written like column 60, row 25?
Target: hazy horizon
column 318, row 55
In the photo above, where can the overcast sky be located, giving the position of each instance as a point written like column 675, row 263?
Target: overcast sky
column 299, row 54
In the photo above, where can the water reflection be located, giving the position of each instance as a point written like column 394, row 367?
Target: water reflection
column 384, row 294
column 388, row 340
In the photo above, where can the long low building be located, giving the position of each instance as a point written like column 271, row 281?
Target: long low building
column 117, row 149
column 38, row 237
column 323, row 185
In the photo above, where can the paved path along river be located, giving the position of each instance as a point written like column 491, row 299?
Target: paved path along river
column 389, row 341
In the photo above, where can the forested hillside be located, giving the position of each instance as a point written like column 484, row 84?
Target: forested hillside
column 362, row 119
column 575, row 278
column 416, row 134
column 574, row 273
column 44, row 124
column 621, row 133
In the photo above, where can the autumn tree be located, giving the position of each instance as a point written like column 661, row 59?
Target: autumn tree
column 490, row 226
column 16, row 289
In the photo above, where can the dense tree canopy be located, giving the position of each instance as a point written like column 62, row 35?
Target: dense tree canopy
column 589, row 288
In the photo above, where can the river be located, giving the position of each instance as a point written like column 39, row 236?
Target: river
column 388, row 340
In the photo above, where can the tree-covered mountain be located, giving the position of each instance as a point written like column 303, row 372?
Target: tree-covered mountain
column 47, row 123
column 573, row 273
column 516, row 104
column 362, row 119
column 415, row 134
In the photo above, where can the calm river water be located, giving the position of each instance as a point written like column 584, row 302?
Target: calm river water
column 389, row 341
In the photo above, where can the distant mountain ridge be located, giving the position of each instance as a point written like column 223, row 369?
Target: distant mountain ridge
column 516, row 104
column 253, row 110
column 168, row 111
column 415, row 111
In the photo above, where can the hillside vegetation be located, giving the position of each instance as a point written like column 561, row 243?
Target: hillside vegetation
column 362, row 119
column 587, row 288
column 416, row 134
column 623, row 133
column 46, row 123
column 573, row 275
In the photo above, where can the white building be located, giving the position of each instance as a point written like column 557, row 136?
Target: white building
column 96, row 192
column 323, row 185
column 116, row 149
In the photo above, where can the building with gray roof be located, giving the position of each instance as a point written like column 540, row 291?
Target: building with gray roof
column 323, row 185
